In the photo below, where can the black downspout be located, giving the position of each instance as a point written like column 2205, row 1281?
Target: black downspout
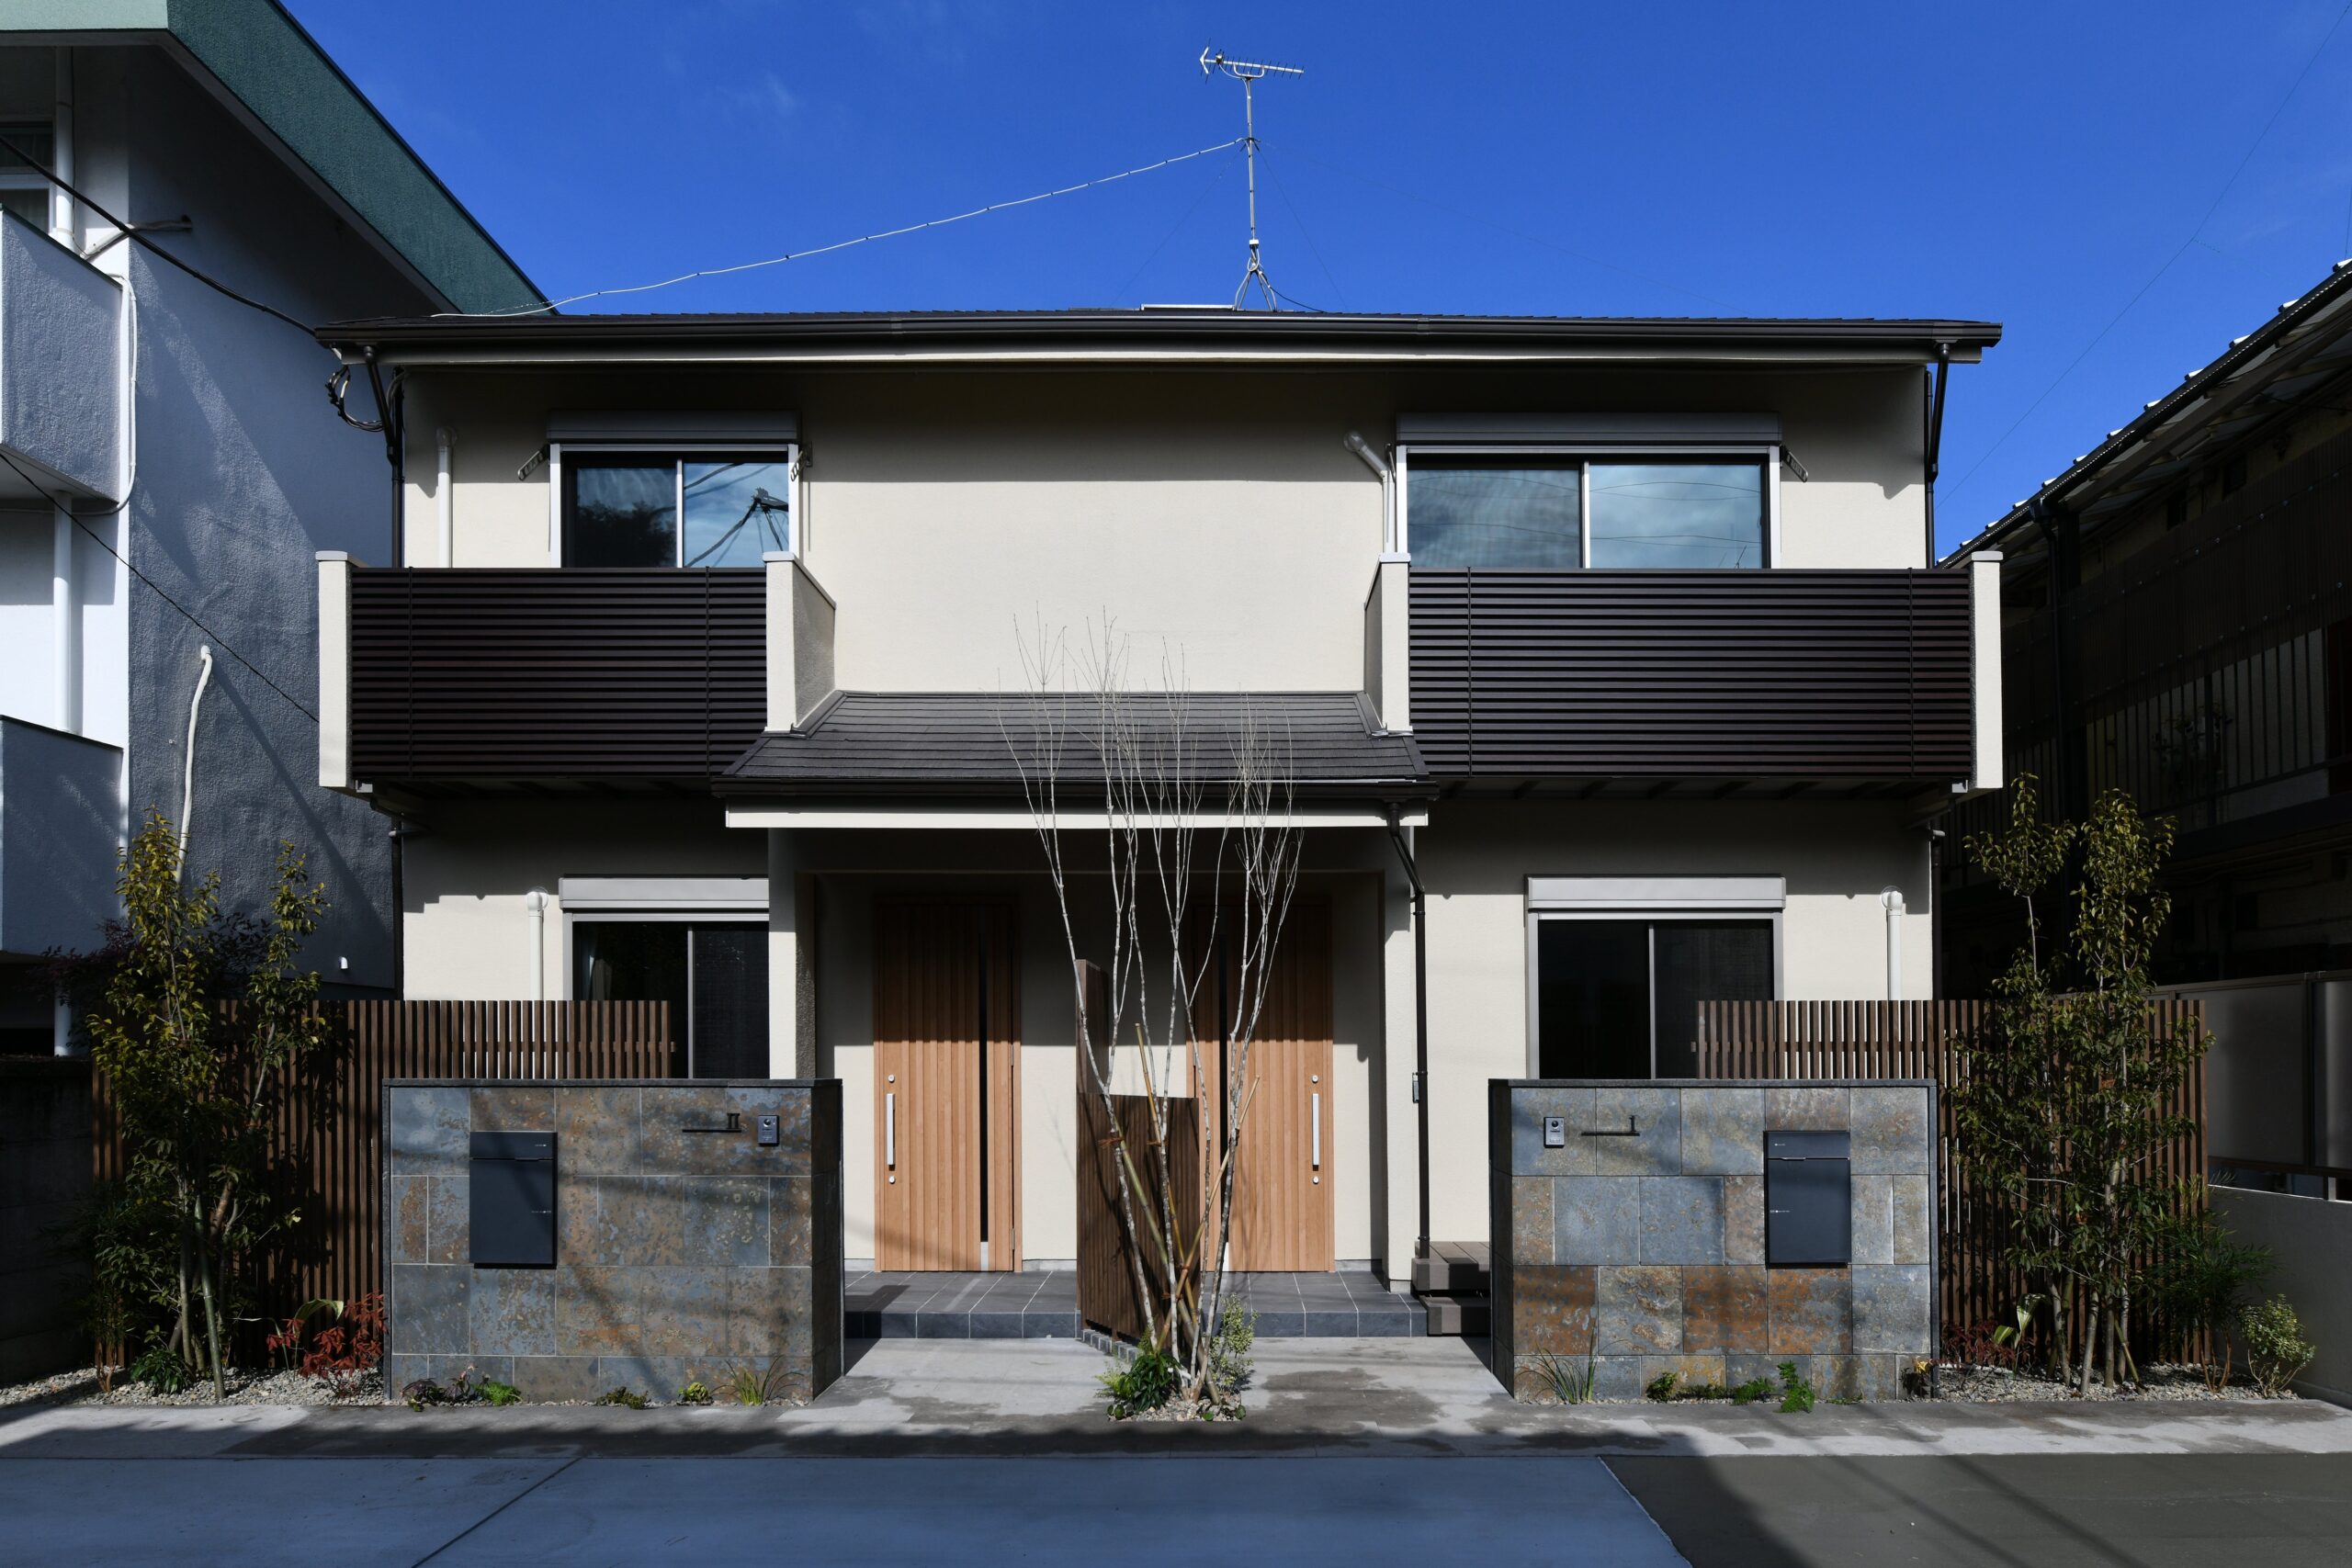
column 1420, row 1019
column 399, row 849
column 1936, row 441
column 2061, row 568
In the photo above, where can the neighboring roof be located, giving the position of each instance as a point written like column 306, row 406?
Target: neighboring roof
column 1184, row 332
column 2257, row 379
column 280, row 82
column 958, row 743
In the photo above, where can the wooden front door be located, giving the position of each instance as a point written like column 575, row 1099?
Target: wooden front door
column 947, row 1086
column 1283, row 1172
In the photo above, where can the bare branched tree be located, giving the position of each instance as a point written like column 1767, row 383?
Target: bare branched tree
column 1201, row 859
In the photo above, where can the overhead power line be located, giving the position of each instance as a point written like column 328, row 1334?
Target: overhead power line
column 546, row 305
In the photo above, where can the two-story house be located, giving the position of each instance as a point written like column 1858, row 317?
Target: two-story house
column 688, row 682
column 168, row 462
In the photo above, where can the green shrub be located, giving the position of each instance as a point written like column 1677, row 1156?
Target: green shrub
column 2200, row 1285
column 1228, row 1349
column 2276, row 1351
column 1752, row 1389
column 748, row 1384
column 1567, row 1381
column 626, row 1398
column 1796, row 1394
column 1146, row 1382
column 1661, row 1387
column 694, row 1393
column 162, row 1369
column 499, row 1393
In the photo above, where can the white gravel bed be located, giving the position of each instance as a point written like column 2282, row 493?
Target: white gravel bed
column 2003, row 1385
column 80, row 1387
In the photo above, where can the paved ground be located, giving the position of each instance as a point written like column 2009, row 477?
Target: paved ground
column 1043, row 1305
column 1363, row 1452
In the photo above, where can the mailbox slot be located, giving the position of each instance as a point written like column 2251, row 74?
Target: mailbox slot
column 511, row 1200
column 1808, row 1211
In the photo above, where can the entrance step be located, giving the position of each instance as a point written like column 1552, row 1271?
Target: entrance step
column 1347, row 1305
column 1453, row 1268
column 1470, row 1315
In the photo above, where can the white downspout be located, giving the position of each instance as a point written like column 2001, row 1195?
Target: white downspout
column 445, row 503
column 1892, row 901
column 66, row 636
column 535, row 905
column 1372, row 460
column 188, row 774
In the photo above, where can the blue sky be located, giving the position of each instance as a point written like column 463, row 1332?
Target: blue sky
column 2035, row 165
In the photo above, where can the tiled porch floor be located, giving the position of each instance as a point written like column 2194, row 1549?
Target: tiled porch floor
column 1043, row 1305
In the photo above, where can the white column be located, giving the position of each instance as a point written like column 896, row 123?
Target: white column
column 1985, row 635
column 445, row 500
column 1399, row 1043
column 783, row 644
column 65, row 623
column 334, row 670
column 791, row 997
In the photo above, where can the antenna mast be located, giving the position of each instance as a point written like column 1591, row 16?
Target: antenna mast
column 1248, row 73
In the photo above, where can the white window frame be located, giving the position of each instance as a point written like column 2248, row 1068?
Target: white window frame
column 1652, row 900
column 1584, row 455
column 690, row 900
column 677, row 451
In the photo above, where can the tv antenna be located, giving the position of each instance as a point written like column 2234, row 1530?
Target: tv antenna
column 1248, row 73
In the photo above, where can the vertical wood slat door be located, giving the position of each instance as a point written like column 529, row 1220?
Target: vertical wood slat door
column 1283, row 1174
column 946, row 1086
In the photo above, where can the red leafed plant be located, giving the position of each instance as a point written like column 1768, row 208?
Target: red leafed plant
column 341, row 1354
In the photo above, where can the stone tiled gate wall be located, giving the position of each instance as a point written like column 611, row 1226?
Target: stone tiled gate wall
column 1647, row 1253
column 680, row 1255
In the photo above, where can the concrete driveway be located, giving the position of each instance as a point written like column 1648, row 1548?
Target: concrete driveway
column 1378, row 1453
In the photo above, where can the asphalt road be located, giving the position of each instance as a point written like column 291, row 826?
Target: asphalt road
column 2029, row 1511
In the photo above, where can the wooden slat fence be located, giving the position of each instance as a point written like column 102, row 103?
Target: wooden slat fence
column 1922, row 1040
column 1106, row 1285
column 326, row 1149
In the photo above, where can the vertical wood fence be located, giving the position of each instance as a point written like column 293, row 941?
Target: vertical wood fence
column 325, row 1154
column 1924, row 1040
column 1106, row 1282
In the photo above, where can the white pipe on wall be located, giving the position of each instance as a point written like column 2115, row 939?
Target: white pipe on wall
column 1891, row 900
column 445, row 502
column 187, row 771
column 1372, row 460
column 66, row 633
column 535, row 905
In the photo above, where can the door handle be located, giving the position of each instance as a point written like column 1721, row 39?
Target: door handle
column 1315, row 1128
column 890, row 1129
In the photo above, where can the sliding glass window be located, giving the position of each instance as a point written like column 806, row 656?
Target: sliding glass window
column 1619, row 998
column 667, row 509
column 713, row 973
column 1537, row 511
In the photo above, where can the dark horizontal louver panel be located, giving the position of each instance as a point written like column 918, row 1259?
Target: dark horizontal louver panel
column 470, row 675
column 1850, row 675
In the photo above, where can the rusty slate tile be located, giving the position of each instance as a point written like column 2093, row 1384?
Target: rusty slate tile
column 1891, row 1132
column 1639, row 1311
column 448, row 1219
column 596, row 1131
column 1529, row 1107
column 429, row 1309
column 404, row 1221
column 1725, row 1308
column 769, row 1312
column 1690, row 1371
column 512, row 1311
column 641, row 1311
column 665, row 1220
column 1552, row 1309
column 1742, row 1219
column 1723, row 1132
column 1805, row 1109
column 425, row 1131
column 548, row 1380
column 1912, row 1201
column 1597, row 1219
column 1682, row 1219
column 668, row 1149
column 1891, row 1308
column 1617, row 1378
column 1812, row 1311
column 792, row 1222
column 1871, row 1215
column 512, row 1109
column 1655, row 1113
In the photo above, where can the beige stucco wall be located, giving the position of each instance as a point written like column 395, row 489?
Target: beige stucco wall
column 1475, row 860
column 1214, row 514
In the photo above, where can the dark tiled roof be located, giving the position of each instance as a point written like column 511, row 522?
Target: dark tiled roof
column 966, row 744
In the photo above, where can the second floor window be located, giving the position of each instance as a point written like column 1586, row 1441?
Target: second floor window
column 1559, row 511
column 696, row 509
column 23, row 190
